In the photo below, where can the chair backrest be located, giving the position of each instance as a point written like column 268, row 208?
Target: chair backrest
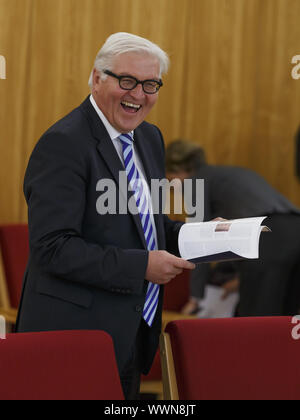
column 14, row 246
column 177, row 292
column 235, row 359
column 59, row 365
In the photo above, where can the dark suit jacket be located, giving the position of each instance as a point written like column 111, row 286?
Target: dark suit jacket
column 86, row 270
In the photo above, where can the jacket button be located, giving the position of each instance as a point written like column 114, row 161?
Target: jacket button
column 138, row 308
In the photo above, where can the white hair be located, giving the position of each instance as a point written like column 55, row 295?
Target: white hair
column 121, row 43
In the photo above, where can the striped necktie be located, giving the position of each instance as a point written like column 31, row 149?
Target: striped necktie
column 142, row 204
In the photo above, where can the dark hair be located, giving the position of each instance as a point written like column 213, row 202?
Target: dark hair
column 182, row 155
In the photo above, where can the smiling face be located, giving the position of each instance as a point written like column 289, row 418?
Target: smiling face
column 126, row 109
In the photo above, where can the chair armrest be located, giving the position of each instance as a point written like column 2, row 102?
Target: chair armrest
column 10, row 314
column 168, row 369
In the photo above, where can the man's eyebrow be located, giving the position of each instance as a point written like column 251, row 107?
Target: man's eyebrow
column 155, row 79
column 126, row 74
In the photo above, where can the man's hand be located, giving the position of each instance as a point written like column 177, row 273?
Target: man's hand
column 163, row 267
column 231, row 286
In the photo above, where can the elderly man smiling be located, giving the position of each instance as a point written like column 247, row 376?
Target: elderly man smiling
column 103, row 271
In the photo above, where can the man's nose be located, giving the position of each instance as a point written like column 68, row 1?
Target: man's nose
column 137, row 92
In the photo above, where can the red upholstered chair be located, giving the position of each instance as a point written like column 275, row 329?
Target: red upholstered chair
column 59, row 365
column 176, row 295
column 231, row 359
column 14, row 247
column 177, row 292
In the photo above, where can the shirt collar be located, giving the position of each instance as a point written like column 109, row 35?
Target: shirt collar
column 113, row 133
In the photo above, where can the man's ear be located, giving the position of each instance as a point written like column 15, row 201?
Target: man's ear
column 96, row 77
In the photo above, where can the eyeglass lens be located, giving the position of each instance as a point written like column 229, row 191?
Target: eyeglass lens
column 129, row 83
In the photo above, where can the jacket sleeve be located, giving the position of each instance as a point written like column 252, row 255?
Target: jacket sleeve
column 172, row 229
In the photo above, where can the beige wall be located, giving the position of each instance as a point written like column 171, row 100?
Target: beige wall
column 229, row 86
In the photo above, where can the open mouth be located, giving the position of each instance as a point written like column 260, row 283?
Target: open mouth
column 130, row 107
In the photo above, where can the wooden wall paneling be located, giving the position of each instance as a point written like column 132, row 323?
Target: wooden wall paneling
column 229, row 86
column 15, row 40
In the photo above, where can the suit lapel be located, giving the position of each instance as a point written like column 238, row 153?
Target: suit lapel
column 104, row 144
column 110, row 157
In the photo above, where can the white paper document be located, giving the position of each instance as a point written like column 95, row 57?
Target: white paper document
column 221, row 240
column 213, row 305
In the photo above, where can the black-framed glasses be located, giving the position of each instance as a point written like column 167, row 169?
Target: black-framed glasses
column 129, row 82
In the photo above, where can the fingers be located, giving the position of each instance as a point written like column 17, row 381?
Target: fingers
column 184, row 264
column 177, row 271
column 163, row 267
column 189, row 265
column 172, row 273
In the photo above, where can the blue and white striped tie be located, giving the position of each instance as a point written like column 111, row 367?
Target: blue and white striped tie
column 142, row 204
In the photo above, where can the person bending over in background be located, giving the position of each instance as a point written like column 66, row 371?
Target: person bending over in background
column 270, row 285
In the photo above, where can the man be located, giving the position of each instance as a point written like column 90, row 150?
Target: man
column 270, row 285
column 89, row 269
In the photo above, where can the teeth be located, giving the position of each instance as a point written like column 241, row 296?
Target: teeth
column 131, row 105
